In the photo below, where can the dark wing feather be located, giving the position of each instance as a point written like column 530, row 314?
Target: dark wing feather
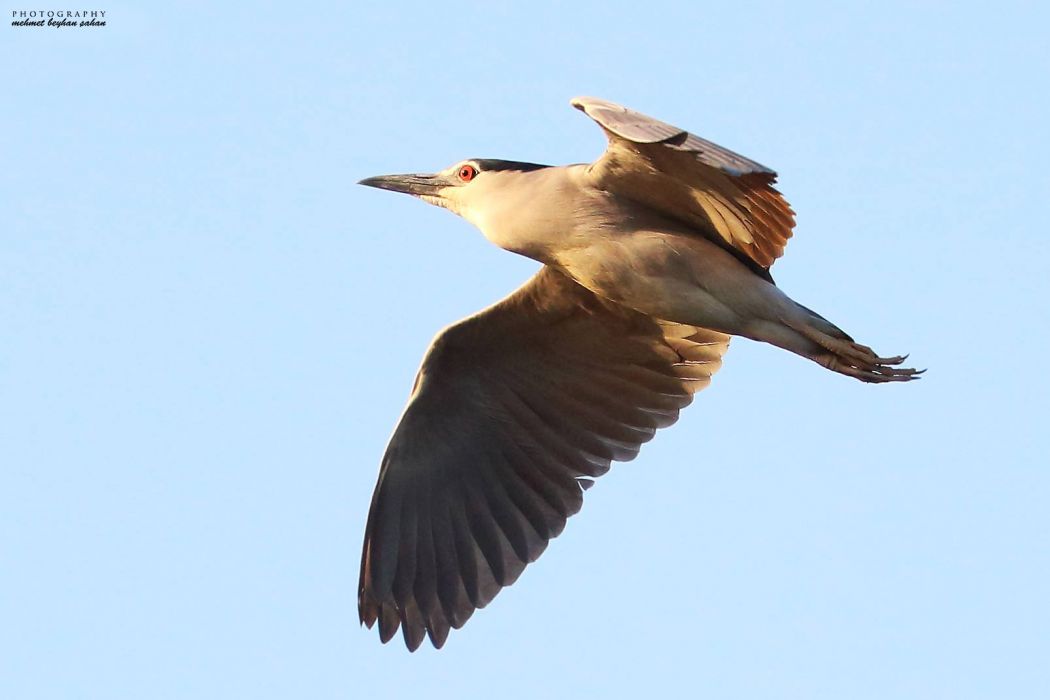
column 691, row 179
column 513, row 409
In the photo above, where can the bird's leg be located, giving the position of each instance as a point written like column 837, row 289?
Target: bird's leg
column 807, row 334
column 844, row 356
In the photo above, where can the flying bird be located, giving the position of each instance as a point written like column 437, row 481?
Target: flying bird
column 653, row 256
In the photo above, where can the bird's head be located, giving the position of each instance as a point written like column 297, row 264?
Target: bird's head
column 468, row 188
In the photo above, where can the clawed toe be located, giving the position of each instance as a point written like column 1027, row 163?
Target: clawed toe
column 876, row 372
column 891, row 360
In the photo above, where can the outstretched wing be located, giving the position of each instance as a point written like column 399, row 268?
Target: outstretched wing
column 691, row 179
column 512, row 411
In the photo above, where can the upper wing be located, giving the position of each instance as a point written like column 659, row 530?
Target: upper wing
column 688, row 178
column 512, row 409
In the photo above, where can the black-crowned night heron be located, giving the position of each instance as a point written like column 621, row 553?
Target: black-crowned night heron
column 653, row 256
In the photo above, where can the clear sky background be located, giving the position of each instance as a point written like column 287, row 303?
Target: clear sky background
column 208, row 331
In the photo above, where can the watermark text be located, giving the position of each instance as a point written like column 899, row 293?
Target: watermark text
column 58, row 18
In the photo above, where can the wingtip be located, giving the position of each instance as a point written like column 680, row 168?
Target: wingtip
column 413, row 636
column 438, row 635
column 582, row 102
column 389, row 621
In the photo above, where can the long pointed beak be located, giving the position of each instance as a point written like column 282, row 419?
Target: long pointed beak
column 415, row 185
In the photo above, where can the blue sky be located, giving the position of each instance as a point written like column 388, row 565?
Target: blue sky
column 209, row 331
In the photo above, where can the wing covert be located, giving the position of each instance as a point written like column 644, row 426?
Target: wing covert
column 691, row 179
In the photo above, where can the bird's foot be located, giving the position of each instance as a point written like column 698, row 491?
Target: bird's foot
column 861, row 362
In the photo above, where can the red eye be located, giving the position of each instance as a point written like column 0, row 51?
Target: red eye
column 467, row 173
